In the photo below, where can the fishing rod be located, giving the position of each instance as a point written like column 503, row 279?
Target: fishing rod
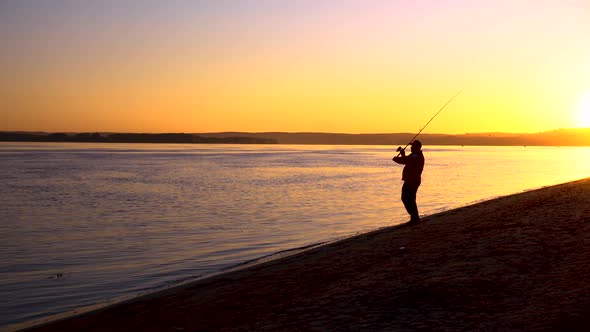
column 399, row 150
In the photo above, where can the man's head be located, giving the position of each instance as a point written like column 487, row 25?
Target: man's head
column 416, row 146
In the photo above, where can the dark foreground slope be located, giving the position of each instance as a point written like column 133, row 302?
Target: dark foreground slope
column 520, row 262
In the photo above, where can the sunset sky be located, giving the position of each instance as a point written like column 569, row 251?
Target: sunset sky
column 345, row 66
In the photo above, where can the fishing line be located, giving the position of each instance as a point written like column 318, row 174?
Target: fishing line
column 426, row 125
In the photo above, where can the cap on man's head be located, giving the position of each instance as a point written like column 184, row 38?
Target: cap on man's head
column 417, row 144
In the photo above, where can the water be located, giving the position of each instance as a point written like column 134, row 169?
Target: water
column 82, row 224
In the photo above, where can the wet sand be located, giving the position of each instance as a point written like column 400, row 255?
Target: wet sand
column 520, row 262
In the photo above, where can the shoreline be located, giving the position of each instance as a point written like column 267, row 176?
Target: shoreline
column 138, row 296
column 227, row 294
column 565, row 137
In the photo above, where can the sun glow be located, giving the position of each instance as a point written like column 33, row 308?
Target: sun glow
column 582, row 113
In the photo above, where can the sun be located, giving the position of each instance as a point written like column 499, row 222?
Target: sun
column 582, row 113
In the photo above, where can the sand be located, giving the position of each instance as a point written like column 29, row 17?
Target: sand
column 520, row 262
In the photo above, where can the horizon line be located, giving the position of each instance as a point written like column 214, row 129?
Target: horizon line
column 286, row 132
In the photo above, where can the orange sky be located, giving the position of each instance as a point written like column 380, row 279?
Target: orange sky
column 327, row 66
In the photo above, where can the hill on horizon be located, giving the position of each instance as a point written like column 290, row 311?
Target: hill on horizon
column 558, row 137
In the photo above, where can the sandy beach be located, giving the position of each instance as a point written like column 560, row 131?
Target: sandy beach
column 520, row 262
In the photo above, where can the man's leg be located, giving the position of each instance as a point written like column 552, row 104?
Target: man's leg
column 409, row 191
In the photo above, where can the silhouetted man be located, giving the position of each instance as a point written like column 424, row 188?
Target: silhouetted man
column 412, row 177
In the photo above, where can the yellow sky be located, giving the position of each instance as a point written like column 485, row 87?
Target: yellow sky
column 324, row 66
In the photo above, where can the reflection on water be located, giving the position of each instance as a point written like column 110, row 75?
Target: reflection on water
column 82, row 223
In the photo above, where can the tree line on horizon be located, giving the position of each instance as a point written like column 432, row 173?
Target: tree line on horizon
column 130, row 138
column 561, row 137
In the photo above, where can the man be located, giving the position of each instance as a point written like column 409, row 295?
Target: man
column 412, row 177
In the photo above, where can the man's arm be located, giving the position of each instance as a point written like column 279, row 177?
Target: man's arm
column 402, row 159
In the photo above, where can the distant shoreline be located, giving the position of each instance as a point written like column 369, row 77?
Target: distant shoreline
column 560, row 137
column 130, row 138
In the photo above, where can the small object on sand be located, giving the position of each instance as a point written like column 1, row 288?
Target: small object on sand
column 402, row 248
